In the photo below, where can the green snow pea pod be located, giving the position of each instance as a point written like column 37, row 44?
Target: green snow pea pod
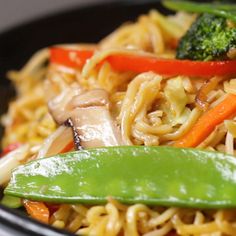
column 132, row 174
column 220, row 9
column 10, row 201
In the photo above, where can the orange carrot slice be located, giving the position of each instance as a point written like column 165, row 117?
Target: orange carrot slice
column 207, row 122
column 37, row 210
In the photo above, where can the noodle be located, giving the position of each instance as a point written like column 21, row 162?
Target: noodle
column 137, row 100
column 147, row 113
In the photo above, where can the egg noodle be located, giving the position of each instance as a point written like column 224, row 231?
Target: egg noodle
column 149, row 109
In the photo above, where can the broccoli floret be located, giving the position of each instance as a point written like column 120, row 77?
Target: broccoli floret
column 209, row 38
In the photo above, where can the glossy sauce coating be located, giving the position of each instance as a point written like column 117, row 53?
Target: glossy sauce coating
column 151, row 175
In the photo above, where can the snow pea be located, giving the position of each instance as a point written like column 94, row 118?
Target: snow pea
column 12, row 202
column 220, row 9
column 131, row 174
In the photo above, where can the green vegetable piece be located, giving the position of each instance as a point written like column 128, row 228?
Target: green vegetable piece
column 10, row 201
column 209, row 38
column 219, row 9
column 132, row 174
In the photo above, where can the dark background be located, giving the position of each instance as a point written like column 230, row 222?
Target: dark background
column 13, row 12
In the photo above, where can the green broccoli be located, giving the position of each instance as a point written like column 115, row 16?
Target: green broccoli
column 209, row 38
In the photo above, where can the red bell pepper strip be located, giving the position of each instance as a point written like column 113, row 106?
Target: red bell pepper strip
column 142, row 63
column 11, row 147
column 52, row 207
column 70, row 57
column 68, row 147
column 172, row 67
column 172, row 233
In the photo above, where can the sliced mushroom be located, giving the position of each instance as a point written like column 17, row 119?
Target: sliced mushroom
column 95, row 97
column 58, row 105
column 96, row 127
column 90, row 114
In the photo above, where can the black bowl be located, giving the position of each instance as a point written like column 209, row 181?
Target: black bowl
column 86, row 24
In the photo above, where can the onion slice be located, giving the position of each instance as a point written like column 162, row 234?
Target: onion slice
column 56, row 142
column 208, row 85
column 10, row 161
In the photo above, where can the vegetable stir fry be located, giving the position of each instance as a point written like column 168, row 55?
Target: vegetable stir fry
column 134, row 135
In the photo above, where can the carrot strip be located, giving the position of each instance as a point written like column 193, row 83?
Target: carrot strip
column 37, row 210
column 207, row 122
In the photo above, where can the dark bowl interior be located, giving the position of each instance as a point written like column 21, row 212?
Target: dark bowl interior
column 86, row 24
